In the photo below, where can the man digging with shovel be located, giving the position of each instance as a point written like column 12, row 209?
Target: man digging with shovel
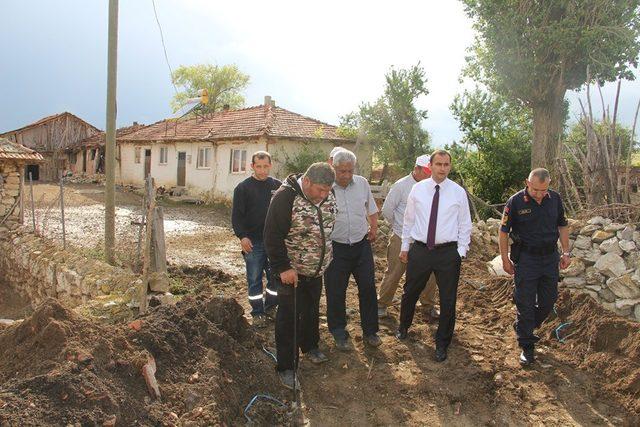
column 296, row 236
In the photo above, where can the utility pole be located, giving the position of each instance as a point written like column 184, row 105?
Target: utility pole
column 110, row 148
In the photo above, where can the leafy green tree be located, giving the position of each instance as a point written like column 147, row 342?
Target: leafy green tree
column 224, row 83
column 302, row 159
column 533, row 51
column 393, row 124
column 493, row 156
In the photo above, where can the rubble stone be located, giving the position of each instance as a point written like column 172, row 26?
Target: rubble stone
column 611, row 265
column 576, row 268
column 601, row 235
column 582, row 242
column 624, row 287
column 588, row 230
column 611, row 246
column 627, row 245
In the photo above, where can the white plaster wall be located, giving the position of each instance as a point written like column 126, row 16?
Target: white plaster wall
column 225, row 181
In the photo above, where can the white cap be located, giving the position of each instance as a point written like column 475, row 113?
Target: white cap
column 334, row 151
column 423, row 160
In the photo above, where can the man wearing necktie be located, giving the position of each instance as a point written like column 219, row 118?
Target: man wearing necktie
column 438, row 222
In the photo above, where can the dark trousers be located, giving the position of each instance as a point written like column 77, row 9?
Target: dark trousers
column 356, row 259
column 536, row 291
column 307, row 295
column 444, row 262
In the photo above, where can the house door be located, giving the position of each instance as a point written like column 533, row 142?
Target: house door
column 84, row 160
column 147, row 163
column 182, row 168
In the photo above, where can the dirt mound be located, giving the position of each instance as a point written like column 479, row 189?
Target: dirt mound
column 59, row 368
column 599, row 342
column 188, row 279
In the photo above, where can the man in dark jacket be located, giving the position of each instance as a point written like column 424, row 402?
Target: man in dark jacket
column 296, row 235
column 251, row 200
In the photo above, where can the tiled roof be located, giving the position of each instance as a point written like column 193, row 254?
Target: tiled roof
column 14, row 151
column 252, row 122
column 99, row 139
column 45, row 120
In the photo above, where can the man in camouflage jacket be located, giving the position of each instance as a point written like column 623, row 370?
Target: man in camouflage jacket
column 296, row 236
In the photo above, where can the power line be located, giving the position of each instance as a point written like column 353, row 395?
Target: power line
column 166, row 57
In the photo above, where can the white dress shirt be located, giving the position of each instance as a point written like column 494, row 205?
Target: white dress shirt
column 454, row 218
column 396, row 202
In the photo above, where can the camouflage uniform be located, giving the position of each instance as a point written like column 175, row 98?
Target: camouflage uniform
column 296, row 236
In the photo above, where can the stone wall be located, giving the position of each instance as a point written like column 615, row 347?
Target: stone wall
column 9, row 188
column 606, row 264
column 36, row 269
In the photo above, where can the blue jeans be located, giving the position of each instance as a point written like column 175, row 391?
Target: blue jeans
column 257, row 263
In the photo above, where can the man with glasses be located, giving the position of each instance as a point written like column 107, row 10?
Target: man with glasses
column 535, row 218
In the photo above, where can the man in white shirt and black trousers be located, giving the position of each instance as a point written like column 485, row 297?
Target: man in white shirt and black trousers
column 438, row 221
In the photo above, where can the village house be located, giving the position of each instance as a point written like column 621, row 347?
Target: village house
column 51, row 136
column 212, row 154
column 13, row 159
column 86, row 157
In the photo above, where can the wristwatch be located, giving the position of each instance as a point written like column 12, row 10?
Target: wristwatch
column 566, row 254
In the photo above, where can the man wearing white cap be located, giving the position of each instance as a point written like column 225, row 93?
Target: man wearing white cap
column 333, row 153
column 393, row 210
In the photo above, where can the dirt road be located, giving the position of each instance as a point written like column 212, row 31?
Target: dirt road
column 591, row 378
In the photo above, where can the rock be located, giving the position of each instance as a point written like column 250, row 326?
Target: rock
column 593, row 277
column 611, row 246
column 594, row 288
column 624, row 287
column 623, row 304
column 576, row 268
column 591, row 256
column 588, row 230
column 149, row 374
column 607, row 295
column 636, row 237
column 136, row 325
column 596, row 220
column 601, row 235
column 582, row 242
column 636, row 312
column 611, row 265
column 632, row 260
column 627, row 245
column 627, row 233
column 574, row 282
column 592, row 294
column 495, row 267
column 7, row 322
column 614, row 227
column 110, row 422
column 624, row 312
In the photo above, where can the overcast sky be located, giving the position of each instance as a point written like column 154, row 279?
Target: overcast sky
column 321, row 61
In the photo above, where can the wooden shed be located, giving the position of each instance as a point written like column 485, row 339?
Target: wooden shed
column 51, row 136
column 13, row 160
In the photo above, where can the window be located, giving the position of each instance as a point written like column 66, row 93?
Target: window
column 204, row 157
column 93, row 154
column 164, row 155
column 238, row 163
column 137, row 155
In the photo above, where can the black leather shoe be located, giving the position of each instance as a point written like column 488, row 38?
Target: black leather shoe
column 401, row 334
column 441, row 354
column 527, row 357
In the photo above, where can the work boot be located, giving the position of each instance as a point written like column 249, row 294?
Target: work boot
column 259, row 321
column 382, row 312
column 527, row 357
column 286, row 378
column 316, row 356
column 343, row 343
column 441, row 354
column 373, row 340
column 401, row 333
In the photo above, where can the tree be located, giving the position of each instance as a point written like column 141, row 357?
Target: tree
column 393, row 124
column 224, row 84
column 497, row 136
column 534, row 51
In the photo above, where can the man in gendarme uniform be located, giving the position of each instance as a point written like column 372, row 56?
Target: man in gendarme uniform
column 535, row 218
column 296, row 236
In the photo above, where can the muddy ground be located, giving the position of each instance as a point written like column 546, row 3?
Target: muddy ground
column 588, row 373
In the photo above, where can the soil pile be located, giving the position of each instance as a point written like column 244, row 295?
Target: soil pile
column 59, row 368
column 601, row 343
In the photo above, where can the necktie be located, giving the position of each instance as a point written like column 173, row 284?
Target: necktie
column 433, row 219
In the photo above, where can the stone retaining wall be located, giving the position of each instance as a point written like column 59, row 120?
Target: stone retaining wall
column 606, row 264
column 9, row 188
column 36, row 269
